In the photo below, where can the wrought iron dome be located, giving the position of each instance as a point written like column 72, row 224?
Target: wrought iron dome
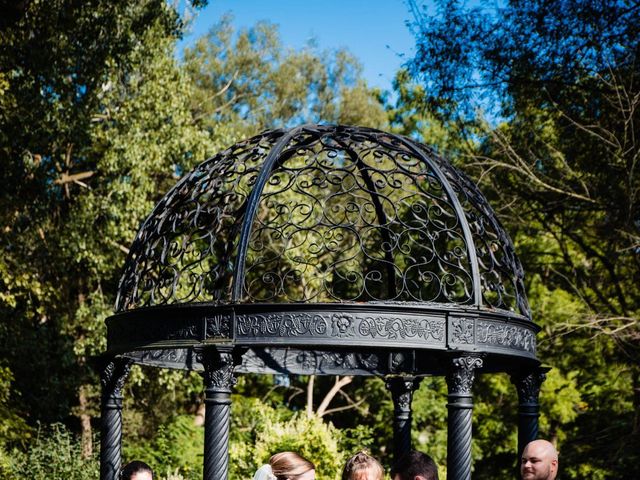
column 324, row 250
column 325, row 237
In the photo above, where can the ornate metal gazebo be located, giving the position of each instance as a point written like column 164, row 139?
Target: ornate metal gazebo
column 324, row 250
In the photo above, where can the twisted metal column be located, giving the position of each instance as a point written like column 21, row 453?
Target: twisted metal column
column 113, row 375
column 402, row 389
column 218, row 381
column 460, row 405
column 528, row 385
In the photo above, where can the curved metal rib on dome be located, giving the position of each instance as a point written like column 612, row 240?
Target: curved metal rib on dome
column 252, row 205
column 471, row 250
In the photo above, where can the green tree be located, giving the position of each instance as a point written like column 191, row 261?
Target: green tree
column 94, row 117
column 258, row 430
column 557, row 158
column 248, row 80
column 14, row 431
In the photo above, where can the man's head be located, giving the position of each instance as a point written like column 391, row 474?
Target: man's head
column 136, row 470
column 539, row 461
column 415, row 466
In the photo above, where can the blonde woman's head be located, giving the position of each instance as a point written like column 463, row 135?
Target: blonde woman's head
column 362, row 466
column 291, row 466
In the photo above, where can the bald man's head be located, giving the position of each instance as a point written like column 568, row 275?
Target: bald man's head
column 539, row 461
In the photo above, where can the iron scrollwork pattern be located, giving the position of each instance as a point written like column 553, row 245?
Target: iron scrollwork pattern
column 184, row 251
column 343, row 214
column 352, row 214
column 501, row 273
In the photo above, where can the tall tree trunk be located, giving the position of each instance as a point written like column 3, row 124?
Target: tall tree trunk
column 86, row 432
column 198, row 420
column 635, row 373
column 85, row 423
column 312, row 379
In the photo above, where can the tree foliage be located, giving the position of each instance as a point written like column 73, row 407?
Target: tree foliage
column 543, row 99
column 248, row 80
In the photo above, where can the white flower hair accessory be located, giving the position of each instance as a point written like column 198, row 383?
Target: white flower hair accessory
column 264, row 473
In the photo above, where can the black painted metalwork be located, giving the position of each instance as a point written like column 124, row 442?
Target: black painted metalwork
column 326, row 250
column 218, row 381
column 402, row 388
column 460, row 406
column 113, row 376
column 388, row 325
column 528, row 384
column 324, row 213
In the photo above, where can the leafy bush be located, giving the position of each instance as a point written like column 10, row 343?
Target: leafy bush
column 56, row 454
column 311, row 437
column 175, row 451
column 258, row 430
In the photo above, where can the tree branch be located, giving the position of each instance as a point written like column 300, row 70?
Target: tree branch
column 76, row 177
column 339, row 383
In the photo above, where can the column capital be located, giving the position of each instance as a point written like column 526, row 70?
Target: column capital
column 402, row 388
column 218, row 368
column 462, row 373
column 113, row 376
column 528, row 384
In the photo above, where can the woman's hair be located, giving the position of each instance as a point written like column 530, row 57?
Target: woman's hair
column 131, row 468
column 289, row 464
column 362, row 466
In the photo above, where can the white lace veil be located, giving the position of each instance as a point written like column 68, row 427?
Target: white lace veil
column 264, row 473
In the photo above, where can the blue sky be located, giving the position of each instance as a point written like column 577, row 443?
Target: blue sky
column 373, row 30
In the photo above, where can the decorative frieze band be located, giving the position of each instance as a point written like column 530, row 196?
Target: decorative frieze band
column 296, row 361
column 283, row 360
column 513, row 337
column 466, row 332
column 343, row 326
